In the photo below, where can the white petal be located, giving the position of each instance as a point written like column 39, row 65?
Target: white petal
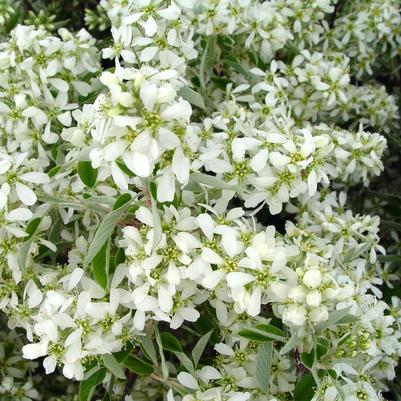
column 254, row 303
column 25, row 194
column 49, row 363
column 206, row 224
column 212, row 279
column 148, row 94
column 180, row 166
column 35, row 177
column 180, row 110
column 278, row 159
column 139, row 320
column 148, row 53
column 166, row 187
column 141, row 165
column 259, row 161
column 33, row 351
column 150, row 26
column 19, row 214
column 239, row 279
column 190, row 314
column 224, row 349
column 187, row 380
column 120, row 179
column 75, row 278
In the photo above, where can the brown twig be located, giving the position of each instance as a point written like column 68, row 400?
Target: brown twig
column 131, row 377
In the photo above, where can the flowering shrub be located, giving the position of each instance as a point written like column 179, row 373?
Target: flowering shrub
column 177, row 201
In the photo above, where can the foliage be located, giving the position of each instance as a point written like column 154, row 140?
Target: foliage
column 191, row 195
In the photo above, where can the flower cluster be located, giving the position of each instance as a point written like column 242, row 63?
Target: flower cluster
column 177, row 226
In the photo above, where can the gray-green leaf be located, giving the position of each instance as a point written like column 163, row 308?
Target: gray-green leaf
column 199, row 347
column 162, row 358
column 112, row 364
column 211, row 181
column 263, row 366
column 192, row 97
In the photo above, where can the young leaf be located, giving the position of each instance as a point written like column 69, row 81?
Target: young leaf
column 289, row 345
column 199, row 347
column 262, row 334
column 308, row 358
column 157, row 225
column 114, row 366
column 138, row 366
column 170, row 343
column 87, row 386
column 335, row 318
column 100, row 265
column 87, row 173
column 263, row 366
column 354, row 253
column 106, row 228
column 161, row 353
column 211, row 181
column 192, row 97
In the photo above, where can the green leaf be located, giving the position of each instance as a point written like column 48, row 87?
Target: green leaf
column 305, row 388
column 322, row 346
column 170, row 343
column 23, row 252
column 122, row 355
column 106, row 228
column 53, row 171
column 87, row 173
column 192, row 97
column 153, row 189
column 389, row 258
column 221, row 82
column 199, row 347
column 32, row 227
column 308, row 358
column 100, row 265
column 121, row 201
column 114, row 366
column 263, row 366
column 272, row 331
column 138, row 366
column 107, row 397
column 124, row 168
column 391, row 224
column 87, row 386
column 263, row 333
